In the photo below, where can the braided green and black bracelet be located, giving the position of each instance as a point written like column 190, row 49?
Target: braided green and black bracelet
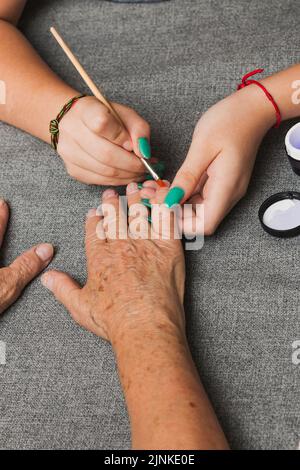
column 54, row 124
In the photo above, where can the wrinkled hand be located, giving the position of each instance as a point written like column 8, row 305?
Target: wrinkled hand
column 219, row 164
column 131, row 282
column 14, row 278
column 96, row 149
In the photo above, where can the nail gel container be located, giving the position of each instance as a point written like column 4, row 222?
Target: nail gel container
column 280, row 214
column 292, row 145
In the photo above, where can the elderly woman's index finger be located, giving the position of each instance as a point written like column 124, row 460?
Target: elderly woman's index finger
column 94, row 234
column 4, row 215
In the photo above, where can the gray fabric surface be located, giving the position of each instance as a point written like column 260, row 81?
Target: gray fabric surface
column 170, row 61
column 137, row 1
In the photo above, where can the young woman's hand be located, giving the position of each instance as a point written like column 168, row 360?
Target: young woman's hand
column 133, row 283
column 219, row 164
column 14, row 278
column 96, row 149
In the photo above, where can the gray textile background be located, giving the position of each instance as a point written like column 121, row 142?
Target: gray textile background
column 170, row 61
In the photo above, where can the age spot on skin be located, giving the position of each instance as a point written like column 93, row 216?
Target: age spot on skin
column 127, row 385
column 103, row 278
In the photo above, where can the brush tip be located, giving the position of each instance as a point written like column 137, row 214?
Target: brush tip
column 161, row 183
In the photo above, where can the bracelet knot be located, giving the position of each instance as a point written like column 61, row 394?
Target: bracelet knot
column 54, row 123
column 246, row 82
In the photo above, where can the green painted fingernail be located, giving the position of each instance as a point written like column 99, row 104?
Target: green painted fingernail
column 149, row 178
column 140, row 185
column 174, row 196
column 144, row 147
column 146, row 203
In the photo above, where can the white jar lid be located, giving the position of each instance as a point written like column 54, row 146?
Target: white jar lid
column 280, row 214
column 292, row 142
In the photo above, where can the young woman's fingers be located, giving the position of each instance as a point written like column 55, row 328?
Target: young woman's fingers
column 192, row 221
column 107, row 152
column 188, row 176
column 88, row 177
column 66, row 291
column 199, row 188
column 99, row 119
column 4, row 215
column 221, row 192
column 216, row 209
column 27, row 266
column 71, row 152
column 137, row 127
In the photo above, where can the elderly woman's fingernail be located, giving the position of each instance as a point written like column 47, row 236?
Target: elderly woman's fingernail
column 108, row 193
column 140, row 185
column 174, row 196
column 91, row 213
column 150, row 184
column 132, row 188
column 99, row 211
column 47, row 280
column 144, row 147
column 44, row 251
column 148, row 193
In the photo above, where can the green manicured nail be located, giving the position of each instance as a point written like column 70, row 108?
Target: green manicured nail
column 146, row 203
column 140, row 185
column 149, row 178
column 144, row 147
column 174, row 196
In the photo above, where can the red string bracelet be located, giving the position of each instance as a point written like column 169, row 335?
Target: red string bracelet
column 246, row 82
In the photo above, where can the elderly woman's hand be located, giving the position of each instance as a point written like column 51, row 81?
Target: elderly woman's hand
column 14, row 278
column 134, row 298
column 131, row 282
